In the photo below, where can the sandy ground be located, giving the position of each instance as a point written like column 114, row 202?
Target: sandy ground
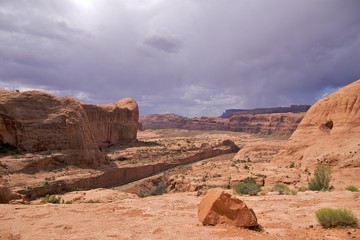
column 174, row 216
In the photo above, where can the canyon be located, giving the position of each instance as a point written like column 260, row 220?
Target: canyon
column 277, row 124
column 147, row 183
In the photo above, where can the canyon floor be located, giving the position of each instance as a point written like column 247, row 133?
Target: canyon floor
column 118, row 213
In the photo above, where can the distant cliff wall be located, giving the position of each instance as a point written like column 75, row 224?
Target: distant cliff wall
column 292, row 109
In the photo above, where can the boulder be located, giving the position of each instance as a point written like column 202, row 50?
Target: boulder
column 219, row 207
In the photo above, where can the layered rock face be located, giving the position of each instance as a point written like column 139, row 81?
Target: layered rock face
column 218, row 207
column 113, row 123
column 265, row 124
column 292, row 109
column 329, row 132
column 36, row 121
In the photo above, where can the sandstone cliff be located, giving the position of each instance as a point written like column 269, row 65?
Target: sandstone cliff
column 264, row 124
column 292, row 109
column 113, row 123
column 329, row 132
column 35, row 121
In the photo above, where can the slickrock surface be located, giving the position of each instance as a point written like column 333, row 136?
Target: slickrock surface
column 219, row 207
column 264, row 124
column 174, row 216
column 329, row 133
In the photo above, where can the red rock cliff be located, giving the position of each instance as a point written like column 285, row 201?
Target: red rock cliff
column 113, row 123
column 37, row 121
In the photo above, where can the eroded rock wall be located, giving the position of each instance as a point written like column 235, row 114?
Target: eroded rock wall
column 329, row 132
column 36, row 121
column 113, row 123
column 264, row 124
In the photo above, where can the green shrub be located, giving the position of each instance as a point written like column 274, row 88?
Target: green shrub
column 321, row 179
column 247, row 187
column 329, row 217
column 51, row 199
column 352, row 188
column 283, row 189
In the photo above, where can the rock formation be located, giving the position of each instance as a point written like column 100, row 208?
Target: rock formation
column 218, row 207
column 35, row 121
column 292, row 109
column 264, row 124
column 113, row 123
column 329, row 132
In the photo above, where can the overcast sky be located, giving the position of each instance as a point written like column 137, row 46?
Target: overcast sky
column 190, row 57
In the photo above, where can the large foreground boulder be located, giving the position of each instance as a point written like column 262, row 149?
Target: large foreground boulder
column 219, row 207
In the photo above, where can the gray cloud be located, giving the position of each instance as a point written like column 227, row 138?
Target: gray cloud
column 191, row 57
column 164, row 42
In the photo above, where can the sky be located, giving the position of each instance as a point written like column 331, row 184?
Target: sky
column 189, row 57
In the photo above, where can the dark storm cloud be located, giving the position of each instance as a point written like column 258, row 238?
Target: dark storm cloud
column 191, row 57
column 166, row 43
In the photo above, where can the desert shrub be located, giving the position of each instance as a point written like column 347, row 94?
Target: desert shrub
column 329, row 217
column 247, row 187
column 51, row 199
column 292, row 165
column 321, row 179
column 283, row 189
column 352, row 188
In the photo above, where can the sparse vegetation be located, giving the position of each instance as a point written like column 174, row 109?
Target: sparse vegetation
column 329, row 217
column 292, row 165
column 283, row 189
column 51, row 199
column 321, row 179
column 352, row 188
column 247, row 187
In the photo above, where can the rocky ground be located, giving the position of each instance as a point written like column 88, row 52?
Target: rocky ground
column 114, row 214
column 173, row 216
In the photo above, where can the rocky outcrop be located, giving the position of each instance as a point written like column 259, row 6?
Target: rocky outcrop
column 292, row 109
column 35, row 121
column 329, row 132
column 117, row 175
column 219, row 207
column 6, row 195
column 113, row 123
column 264, row 124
